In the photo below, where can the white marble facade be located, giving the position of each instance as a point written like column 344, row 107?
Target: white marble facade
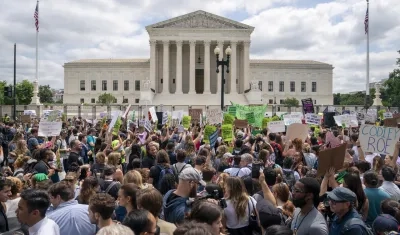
column 182, row 69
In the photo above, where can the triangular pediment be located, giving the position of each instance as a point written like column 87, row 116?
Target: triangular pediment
column 200, row 19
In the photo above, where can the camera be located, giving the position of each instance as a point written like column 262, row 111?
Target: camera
column 214, row 191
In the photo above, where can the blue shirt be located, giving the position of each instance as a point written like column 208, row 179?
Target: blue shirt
column 375, row 197
column 72, row 218
column 337, row 225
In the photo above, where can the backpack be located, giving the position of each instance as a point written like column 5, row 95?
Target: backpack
column 178, row 172
column 30, row 166
column 164, row 171
column 278, row 154
column 288, row 178
column 285, row 220
column 355, row 221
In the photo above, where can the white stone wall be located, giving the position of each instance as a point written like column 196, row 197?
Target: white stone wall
column 322, row 77
column 122, row 72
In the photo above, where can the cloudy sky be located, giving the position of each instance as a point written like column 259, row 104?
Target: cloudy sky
column 323, row 30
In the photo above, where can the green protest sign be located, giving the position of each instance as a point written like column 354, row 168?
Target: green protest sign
column 227, row 133
column 250, row 118
column 186, row 121
column 208, row 130
column 232, row 110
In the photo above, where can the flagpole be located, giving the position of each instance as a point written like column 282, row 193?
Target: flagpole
column 367, row 67
column 35, row 98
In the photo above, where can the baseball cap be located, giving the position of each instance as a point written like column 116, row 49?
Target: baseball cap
column 190, row 174
column 268, row 214
column 342, row 194
column 385, row 223
column 240, row 134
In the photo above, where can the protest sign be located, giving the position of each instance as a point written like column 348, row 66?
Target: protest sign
column 186, row 121
column 226, row 131
column 276, row 126
column 387, row 115
column 378, row 139
column 114, row 115
column 297, row 130
column 30, row 112
column 153, row 114
column 214, row 116
column 208, row 130
column 47, row 129
column 391, row 122
column 25, row 118
column 228, row 119
column 313, row 119
column 232, row 110
column 347, row 119
column 195, row 114
column 333, row 157
column 308, row 105
column 240, row 123
column 242, row 110
column 250, row 118
column 213, row 138
column 292, row 118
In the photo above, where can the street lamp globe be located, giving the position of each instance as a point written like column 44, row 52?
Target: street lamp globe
column 217, row 50
column 228, row 50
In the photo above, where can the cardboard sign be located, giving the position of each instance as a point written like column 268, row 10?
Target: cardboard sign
column 333, row 157
column 277, row 126
column 240, row 123
column 25, row 118
column 308, row 105
column 378, row 139
column 214, row 116
column 313, row 119
column 391, row 122
column 195, row 114
column 297, row 130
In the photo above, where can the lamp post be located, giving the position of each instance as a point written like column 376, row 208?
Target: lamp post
column 223, row 63
column 274, row 107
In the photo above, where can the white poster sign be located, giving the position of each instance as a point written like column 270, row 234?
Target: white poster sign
column 387, row 115
column 289, row 119
column 347, row 120
column 153, row 114
column 276, row 127
column 214, row 116
column 114, row 116
column 378, row 139
column 49, row 128
column 313, row 119
column 30, row 112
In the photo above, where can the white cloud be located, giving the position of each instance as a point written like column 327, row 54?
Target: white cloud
column 75, row 29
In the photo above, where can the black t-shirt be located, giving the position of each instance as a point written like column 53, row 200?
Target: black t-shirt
column 148, row 162
column 113, row 191
column 73, row 157
column 3, row 220
column 155, row 174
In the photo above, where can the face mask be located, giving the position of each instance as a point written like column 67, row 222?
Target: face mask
column 299, row 202
column 11, row 160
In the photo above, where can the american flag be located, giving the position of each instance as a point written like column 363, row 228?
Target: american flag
column 36, row 15
column 366, row 22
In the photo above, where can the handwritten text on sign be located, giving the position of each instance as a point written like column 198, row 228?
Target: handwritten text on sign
column 378, row 139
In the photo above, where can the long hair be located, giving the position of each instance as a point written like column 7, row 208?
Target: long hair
column 238, row 195
column 352, row 181
column 88, row 189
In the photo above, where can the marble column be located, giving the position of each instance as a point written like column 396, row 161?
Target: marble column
column 246, row 65
column 165, row 67
column 221, row 57
column 207, row 83
column 192, row 67
column 178, row 81
column 153, row 44
column 232, row 67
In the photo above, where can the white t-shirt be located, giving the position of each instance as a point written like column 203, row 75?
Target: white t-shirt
column 231, row 218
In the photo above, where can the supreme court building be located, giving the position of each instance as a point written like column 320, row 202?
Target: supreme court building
column 181, row 69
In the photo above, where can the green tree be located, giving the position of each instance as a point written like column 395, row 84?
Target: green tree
column 24, row 92
column 291, row 102
column 2, row 85
column 336, row 99
column 391, row 88
column 45, row 94
column 106, row 98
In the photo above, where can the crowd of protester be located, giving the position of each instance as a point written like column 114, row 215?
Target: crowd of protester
column 90, row 181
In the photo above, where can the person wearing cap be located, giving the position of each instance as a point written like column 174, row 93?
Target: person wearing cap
column 175, row 201
column 346, row 220
column 384, row 224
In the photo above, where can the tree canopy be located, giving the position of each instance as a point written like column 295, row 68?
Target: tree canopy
column 45, row 94
column 106, row 98
column 291, row 102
